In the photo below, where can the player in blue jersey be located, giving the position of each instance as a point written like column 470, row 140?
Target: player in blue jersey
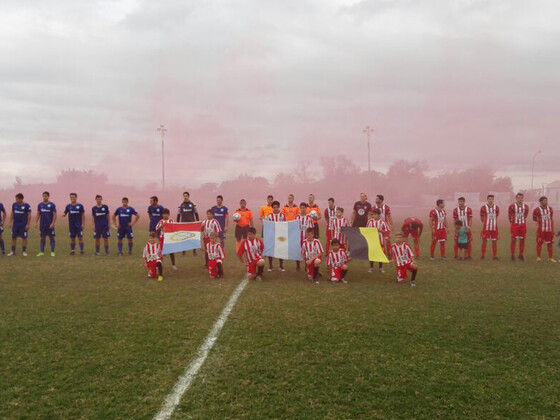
column 122, row 218
column 45, row 221
column 76, row 221
column 2, row 219
column 155, row 212
column 221, row 215
column 101, row 224
column 20, row 218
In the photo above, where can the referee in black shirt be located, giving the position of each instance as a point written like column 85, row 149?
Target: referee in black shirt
column 187, row 212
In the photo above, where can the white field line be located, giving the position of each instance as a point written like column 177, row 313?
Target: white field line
column 186, row 379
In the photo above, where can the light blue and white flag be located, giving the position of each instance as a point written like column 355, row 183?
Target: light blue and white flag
column 282, row 240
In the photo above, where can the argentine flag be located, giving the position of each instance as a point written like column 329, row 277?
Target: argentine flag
column 282, row 240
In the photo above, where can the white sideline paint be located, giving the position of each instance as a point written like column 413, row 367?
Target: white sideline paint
column 184, row 382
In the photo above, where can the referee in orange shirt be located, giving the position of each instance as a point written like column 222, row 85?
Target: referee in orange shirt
column 290, row 210
column 265, row 211
column 242, row 225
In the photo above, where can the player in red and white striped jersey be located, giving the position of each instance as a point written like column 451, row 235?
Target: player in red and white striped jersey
column 412, row 226
column 337, row 260
column 464, row 214
column 385, row 213
column 489, row 216
column 329, row 213
column 152, row 257
column 215, row 252
column 275, row 216
column 252, row 249
column 438, row 221
column 160, row 229
column 404, row 259
column 543, row 215
column 336, row 224
column 207, row 227
column 312, row 250
column 518, row 213
column 375, row 221
column 305, row 222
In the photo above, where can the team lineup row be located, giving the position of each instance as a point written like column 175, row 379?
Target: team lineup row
column 308, row 213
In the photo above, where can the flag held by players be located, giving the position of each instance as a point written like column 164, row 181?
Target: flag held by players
column 178, row 237
column 282, row 240
column 364, row 244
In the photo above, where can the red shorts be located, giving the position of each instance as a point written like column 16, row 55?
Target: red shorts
column 152, row 268
column 335, row 273
column 489, row 235
column 413, row 233
column 310, row 268
column 252, row 267
column 518, row 231
column 205, row 241
column 440, row 235
column 545, row 237
column 213, row 267
column 402, row 271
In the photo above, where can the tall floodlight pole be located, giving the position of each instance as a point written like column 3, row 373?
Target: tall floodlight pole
column 162, row 131
column 533, row 169
column 368, row 130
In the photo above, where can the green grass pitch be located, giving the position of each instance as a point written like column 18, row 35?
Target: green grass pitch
column 91, row 337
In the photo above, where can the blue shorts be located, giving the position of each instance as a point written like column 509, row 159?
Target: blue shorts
column 46, row 231
column 125, row 231
column 76, row 232
column 101, row 232
column 18, row 231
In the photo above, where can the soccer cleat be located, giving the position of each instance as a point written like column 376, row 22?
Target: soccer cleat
column 444, row 258
column 121, row 254
column 282, row 269
column 97, row 254
column 11, row 254
column 269, row 270
column 370, row 270
column 382, row 271
column 316, row 281
column 343, row 281
column 412, row 284
column 160, row 278
column 539, row 259
column 495, row 259
column 24, row 254
column 72, row 253
column 81, row 252
column 259, row 278
column 552, row 260
column 521, row 258
column 174, row 267
column 41, row 254
column 53, row 254
column 432, row 259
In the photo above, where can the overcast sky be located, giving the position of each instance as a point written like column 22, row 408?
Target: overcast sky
column 258, row 86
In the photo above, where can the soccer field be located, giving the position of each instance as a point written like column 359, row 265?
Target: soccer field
column 92, row 337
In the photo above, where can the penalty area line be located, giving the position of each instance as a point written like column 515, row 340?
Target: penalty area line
column 187, row 378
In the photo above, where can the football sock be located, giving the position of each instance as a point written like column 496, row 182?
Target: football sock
column 172, row 256
column 417, row 250
column 380, row 266
column 130, row 247
column 343, row 273
column 413, row 277
column 371, row 264
column 298, row 265
column 206, row 260
column 24, row 248
column 539, row 249
column 513, row 247
column 52, row 244
column 220, row 269
column 270, row 262
column 455, row 250
column 260, row 270
column 2, row 246
column 281, row 263
column 469, row 249
column 442, row 248
column 237, row 243
column 13, row 248
column 72, row 247
column 315, row 272
column 494, row 249
column 106, row 249
column 432, row 249
column 159, row 268
column 549, row 247
column 81, row 247
column 43, row 243
column 119, row 246
column 521, row 247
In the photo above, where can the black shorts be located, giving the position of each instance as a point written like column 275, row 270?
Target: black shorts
column 241, row 232
column 316, row 230
column 462, row 246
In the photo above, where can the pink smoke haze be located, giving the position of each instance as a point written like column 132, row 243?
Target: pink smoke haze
column 273, row 97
